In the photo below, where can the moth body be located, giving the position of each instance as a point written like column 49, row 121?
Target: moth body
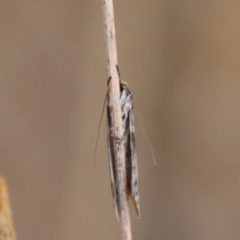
column 126, row 101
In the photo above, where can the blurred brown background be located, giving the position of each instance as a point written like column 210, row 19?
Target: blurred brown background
column 181, row 60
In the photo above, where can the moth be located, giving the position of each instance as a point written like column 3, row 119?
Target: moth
column 126, row 102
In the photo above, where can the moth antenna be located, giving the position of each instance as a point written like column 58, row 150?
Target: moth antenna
column 120, row 79
column 145, row 133
column 99, row 127
column 118, row 70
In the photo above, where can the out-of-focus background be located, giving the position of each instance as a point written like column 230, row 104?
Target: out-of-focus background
column 181, row 60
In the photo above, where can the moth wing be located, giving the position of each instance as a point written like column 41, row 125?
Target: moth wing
column 112, row 167
column 132, row 166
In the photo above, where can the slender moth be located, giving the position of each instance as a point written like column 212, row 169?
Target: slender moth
column 126, row 101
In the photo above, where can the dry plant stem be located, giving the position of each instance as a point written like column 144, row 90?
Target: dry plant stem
column 6, row 224
column 116, row 116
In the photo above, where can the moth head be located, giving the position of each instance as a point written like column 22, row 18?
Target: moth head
column 124, row 85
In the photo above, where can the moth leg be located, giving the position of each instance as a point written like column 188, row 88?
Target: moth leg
column 118, row 139
column 109, row 79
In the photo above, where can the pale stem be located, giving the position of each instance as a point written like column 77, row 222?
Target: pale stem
column 116, row 115
column 6, row 224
